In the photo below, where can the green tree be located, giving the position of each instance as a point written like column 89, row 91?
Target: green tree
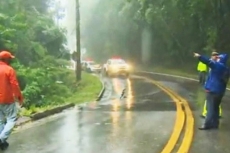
column 178, row 28
column 28, row 30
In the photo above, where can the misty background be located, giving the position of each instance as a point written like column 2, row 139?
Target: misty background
column 153, row 33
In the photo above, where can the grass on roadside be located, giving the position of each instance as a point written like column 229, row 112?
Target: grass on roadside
column 86, row 90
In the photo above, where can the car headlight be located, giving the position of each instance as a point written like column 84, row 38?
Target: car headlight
column 113, row 68
column 129, row 67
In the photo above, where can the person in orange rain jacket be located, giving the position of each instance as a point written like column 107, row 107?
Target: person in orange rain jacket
column 9, row 93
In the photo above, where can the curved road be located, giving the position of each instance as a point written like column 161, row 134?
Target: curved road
column 213, row 141
column 134, row 116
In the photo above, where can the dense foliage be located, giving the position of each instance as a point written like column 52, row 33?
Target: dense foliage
column 28, row 30
column 177, row 28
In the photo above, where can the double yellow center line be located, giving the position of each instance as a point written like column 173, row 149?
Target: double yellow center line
column 184, row 122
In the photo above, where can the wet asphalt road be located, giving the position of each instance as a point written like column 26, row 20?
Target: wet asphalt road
column 139, row 122
column 213, row 141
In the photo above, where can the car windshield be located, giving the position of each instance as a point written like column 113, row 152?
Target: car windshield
column 118, row 62
column 91, row 63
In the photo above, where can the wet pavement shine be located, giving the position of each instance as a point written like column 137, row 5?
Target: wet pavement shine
column 134, row 116
column 211, row 141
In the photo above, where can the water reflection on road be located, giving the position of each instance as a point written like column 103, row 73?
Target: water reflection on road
column 129, row 118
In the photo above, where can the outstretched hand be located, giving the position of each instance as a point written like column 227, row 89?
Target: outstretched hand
column 196, row 55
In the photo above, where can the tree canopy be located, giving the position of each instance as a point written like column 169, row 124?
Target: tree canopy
column 177, row 27
column 27, row 29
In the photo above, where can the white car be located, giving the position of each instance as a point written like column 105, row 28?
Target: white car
column 116, row 67
column 91, row 66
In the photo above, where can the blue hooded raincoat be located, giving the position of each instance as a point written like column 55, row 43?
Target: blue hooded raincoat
column 215, row 82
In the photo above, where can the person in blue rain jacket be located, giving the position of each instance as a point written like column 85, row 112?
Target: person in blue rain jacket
column 215, row 57
column 215, row 87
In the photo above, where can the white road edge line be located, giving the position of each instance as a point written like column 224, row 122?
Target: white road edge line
column 171, row 75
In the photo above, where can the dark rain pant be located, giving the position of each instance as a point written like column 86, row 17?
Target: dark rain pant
column 213, row 103
column 202, row 77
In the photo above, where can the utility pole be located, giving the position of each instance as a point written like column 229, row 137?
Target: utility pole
column 78, row 35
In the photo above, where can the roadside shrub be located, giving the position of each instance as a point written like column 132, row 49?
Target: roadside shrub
column 46, row 85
